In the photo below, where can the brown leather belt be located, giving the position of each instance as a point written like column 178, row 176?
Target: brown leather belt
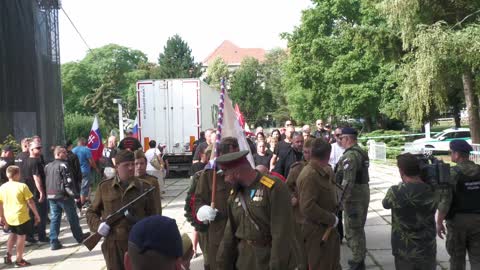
column 258, row 243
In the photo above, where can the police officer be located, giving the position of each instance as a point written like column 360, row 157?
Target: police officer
column 141, row 172
column 259, row 233
column 111, row 195
column 217, row 218
column 460, row 206
column 318, row 202
column 352, row 171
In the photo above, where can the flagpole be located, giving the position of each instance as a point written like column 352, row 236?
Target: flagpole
column 221, row 107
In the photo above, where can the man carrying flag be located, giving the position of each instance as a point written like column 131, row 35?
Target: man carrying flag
column 87, row 157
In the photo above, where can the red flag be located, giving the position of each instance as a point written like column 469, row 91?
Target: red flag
column 95, row 143
column 240, row 117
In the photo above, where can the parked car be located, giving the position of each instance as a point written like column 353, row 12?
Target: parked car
column 440, row 142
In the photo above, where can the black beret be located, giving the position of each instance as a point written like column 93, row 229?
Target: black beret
column 158, row 233
column 349, row 131
column 460, row 146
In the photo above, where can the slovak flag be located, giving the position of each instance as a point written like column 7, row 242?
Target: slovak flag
column 95, row 143
column 135, row 128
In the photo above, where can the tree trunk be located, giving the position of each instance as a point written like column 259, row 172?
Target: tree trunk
column 456, row 115
column 471, row 100
column 368, row 124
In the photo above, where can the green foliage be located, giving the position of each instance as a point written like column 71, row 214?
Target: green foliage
column 248, row 91
column 216, row 71
column 77, row 125
column 10, row 140
column 274, row 74
column 342, row 58
column 108, row 72
column 177, row 61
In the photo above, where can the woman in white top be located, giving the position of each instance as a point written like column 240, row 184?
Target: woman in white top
column 150, row 154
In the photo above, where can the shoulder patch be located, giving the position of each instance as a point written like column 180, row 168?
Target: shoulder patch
column 266, row 181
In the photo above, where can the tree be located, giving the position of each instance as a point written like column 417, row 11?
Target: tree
column 274, row 74
column 177, row 61
column 216, row 71
column 341, row 60
column 108, row 72
column 248, row 91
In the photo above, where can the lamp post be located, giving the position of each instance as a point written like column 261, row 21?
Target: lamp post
column 118, row 101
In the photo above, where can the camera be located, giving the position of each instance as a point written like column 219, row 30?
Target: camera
column 434, row 171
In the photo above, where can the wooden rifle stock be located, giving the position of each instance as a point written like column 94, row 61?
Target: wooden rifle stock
column 92, row 240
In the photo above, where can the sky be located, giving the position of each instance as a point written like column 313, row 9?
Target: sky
column 146, row 25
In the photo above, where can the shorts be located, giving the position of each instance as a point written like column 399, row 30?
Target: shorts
column 22, row 229
column 85, row 186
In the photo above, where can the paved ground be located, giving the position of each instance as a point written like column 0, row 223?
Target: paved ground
column 75, row 256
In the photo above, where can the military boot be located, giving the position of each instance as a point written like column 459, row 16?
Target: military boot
column 356, row 265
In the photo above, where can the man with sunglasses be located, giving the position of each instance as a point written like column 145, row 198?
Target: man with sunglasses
column 352, row 172
column 460, row 206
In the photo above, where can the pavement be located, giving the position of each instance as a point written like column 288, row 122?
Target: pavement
column 75, row 256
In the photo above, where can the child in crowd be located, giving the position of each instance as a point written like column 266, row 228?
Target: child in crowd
column 14, row 198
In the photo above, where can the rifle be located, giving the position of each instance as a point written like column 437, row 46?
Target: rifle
column 113, row 218
column 337, row 210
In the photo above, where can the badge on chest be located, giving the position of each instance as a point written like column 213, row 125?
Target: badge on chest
column 256, row 195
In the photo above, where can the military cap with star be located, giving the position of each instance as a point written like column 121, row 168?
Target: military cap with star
column 460, row 146
column 233, row 159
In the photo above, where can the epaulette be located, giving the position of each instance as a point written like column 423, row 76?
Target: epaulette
column 266, row 181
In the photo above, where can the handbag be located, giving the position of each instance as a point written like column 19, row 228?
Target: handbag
column 156, row 163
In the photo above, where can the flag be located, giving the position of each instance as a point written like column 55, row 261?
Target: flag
column 240, row 117
column 135, row 128
column 95, row 143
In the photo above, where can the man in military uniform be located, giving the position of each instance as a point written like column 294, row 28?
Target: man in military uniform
column 413, row 207
column 217, row 218
column 141, row 172
column 293, row 183
column 460, row 206
column 259, row 233
column 111, row 195
column 352, row 171
column 318, row 202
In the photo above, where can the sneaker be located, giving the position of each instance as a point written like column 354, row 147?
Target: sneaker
column 56, row 245
column 44, row 240
column 8, row 259
column 84, row 236
column 22, row 263
column 32, row 240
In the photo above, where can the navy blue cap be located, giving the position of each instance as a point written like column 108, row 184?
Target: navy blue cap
column 158, row 233
column 460, row 146
column 349, row 131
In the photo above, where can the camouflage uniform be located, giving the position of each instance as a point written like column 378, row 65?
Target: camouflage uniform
column 203, row 196
column 413, row 225
column 463, row 226
column 353, row 169
column 318, row 202
column 263, row 238
column 109, row 197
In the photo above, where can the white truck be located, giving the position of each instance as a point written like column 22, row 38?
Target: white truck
column 173, row 112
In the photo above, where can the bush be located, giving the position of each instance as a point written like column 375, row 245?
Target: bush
column 77, row 125
column 390, row 142
column 10, row 140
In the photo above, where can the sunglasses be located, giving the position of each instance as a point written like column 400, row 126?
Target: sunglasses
column 338, row 135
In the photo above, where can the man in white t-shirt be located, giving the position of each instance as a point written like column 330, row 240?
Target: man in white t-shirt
column 337, row 149
column 150, row 155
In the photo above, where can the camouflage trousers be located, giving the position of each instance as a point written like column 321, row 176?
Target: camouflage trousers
column 355, row 215
column 463, row 234
column 405, row 264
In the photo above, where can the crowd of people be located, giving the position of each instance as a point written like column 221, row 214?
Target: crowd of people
column 291, row 210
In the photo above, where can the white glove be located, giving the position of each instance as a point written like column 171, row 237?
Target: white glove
column 103, row 229
column 206, row 214
column 2, row 163
column 336, row 221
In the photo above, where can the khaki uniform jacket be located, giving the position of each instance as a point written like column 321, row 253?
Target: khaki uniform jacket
column 271, row 244
column 203, row 196
column 153, row 181
column 110, row 197
column 292, row 183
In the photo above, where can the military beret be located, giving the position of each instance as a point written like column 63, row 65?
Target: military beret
column 349, row 131
column 233, row 159
column 157, row 233
column 186, row 244
column 139, row 154
column 124, row 155
column 460, row 146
